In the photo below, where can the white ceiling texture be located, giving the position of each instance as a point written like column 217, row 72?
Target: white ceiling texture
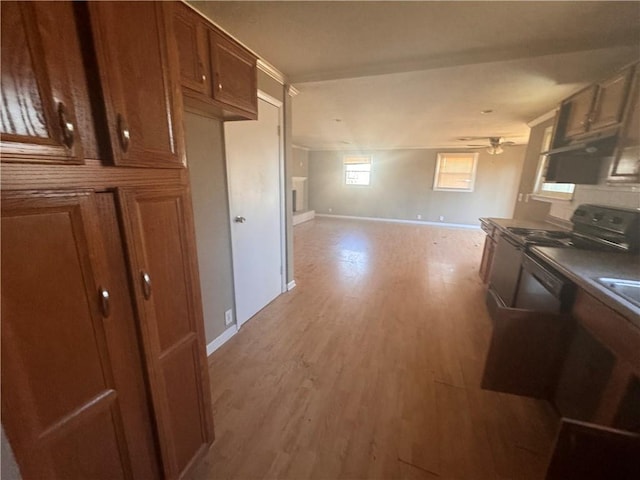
column 418, row 74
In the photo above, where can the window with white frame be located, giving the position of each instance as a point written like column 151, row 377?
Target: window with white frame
column 455, row 172
column 561, row 191
column 357, row 169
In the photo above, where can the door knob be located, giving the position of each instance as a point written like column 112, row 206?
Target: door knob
column 239, row 219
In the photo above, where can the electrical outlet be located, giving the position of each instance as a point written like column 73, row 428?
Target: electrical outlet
column 419, row 217
column 228, row 317
column 441, row 218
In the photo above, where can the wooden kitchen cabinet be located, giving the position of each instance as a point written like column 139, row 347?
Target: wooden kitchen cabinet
column 585, row 372
column 592, row 452
column 220, row 76
column 102, row 376
column 487, row 252
column 74, row 403
column 596, row 111
column 159, row 230
column 193, row 49
column 526, row 350
column 38, row 111
column 576, row 111
column 626, row 165
column 140, row 84
column 234, row 74
column 610, row 101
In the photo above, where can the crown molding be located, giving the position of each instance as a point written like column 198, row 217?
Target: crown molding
column 542, row 118
column 292, row 91
column 272, row 71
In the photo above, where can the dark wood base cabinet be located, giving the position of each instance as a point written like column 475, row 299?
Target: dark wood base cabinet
column 104, row 370
column 587, row 365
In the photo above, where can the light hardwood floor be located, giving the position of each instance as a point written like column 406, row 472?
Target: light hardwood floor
column 371, row 368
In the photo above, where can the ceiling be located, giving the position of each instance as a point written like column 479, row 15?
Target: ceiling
column 417, row 74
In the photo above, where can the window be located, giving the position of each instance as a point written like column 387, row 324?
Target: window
column 455, row 172
column 561, row 191
column 357, row 170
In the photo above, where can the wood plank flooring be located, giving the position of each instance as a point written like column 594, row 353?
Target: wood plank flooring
column 370, row 368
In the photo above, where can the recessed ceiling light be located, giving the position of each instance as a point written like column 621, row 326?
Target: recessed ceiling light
column 485, row 112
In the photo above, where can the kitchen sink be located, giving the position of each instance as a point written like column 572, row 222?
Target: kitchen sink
column 627, row 289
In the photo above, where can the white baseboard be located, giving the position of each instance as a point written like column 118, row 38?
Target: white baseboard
column 291, row 285
column 223, row 338
column 397, row 220
column 303, row 217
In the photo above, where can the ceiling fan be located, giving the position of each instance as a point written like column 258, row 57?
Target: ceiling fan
column 495, row 144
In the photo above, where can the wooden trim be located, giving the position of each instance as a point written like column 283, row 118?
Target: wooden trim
column 91, row 175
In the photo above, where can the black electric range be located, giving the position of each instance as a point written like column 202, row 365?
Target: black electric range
column 595, row 227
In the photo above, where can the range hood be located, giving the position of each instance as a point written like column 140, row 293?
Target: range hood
column 580, row 162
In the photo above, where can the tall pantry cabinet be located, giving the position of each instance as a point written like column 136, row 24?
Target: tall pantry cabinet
column 104, row 371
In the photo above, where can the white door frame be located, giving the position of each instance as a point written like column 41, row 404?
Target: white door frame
column 283, row 187
column 282, row 192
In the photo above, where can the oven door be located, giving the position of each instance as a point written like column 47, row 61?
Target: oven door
column 505, row 271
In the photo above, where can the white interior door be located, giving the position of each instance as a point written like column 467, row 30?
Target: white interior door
column 255, row 171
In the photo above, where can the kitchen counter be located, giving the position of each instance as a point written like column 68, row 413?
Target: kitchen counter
column 584, row 266
column 503, row 223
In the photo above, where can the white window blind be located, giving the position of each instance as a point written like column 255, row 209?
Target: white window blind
column 357, row 169
column 455, row 172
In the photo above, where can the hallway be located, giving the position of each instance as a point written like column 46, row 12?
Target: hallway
column 371, row 366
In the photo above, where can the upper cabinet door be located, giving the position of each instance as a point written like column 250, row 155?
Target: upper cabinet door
column 161, row 244
column 38, row 121
column 138, row 70
column 191, row 39
column 578, row 111
column 608, row 108
column 234, row 74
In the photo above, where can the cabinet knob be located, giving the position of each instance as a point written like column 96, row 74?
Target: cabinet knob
column 105, row 305
column 219, row 86
column 239, row 219
column 68, row 129
column 123, row 133
column 146, row 285
column 204, row 78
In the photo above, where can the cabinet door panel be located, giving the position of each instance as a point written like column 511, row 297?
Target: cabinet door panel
column 626, row 166
column 192, row 45
column 59, row 394
column 38, row 121
column 234, row 74
column 161, row 244
column 593, row 452
column 579, row 108
column 585, row 372
column 525, row 350
column 608, row 107
column 136, row 62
